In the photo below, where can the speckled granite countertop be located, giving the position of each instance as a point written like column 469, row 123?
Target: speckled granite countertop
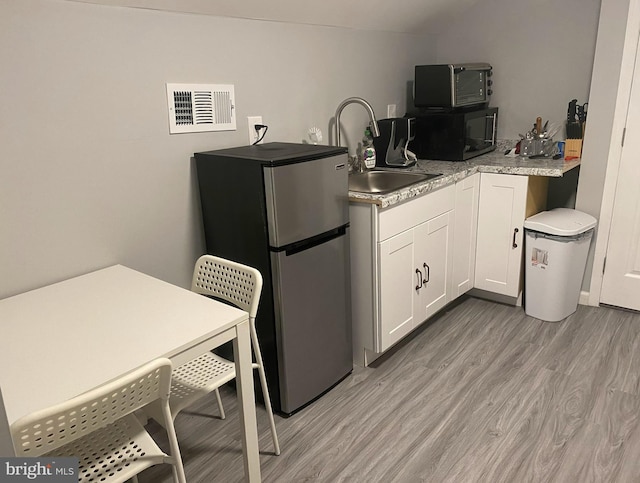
column 453, row 171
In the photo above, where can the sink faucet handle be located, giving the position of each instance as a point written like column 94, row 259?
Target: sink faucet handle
column 375, row 130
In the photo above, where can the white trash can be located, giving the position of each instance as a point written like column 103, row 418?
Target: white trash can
column 557, row 245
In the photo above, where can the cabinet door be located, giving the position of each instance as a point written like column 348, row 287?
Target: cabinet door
column 397, row 282
column 501, row 213
column 465, row 227
column 432, row 256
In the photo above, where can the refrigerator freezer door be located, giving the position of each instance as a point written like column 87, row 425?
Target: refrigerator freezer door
column 313, row 322
column 306, row 199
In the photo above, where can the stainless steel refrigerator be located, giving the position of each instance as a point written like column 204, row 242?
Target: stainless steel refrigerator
column 283, row 208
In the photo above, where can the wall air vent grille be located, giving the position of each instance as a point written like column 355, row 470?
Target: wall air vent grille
column 201, row 108
column 184, row 107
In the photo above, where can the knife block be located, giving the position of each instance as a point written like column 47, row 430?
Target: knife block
column 572, row 148
column 573, row 143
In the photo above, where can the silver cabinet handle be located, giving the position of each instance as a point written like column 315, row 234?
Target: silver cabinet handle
column 427, row 272
column 419, row 274
column 495, row 134
column 515, row 232
column 494, row 121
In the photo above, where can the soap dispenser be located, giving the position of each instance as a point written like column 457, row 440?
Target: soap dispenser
column 368, row 151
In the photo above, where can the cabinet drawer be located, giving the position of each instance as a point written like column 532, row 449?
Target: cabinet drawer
column 399, row 218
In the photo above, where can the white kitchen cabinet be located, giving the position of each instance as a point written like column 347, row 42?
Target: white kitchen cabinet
column 414, row 273
column 411, row 259
column 500, row 237
column 396, row 266
column 464, row 235
column 401, row 262
column 433, row 261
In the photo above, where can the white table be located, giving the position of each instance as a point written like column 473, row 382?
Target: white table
column 64, row 339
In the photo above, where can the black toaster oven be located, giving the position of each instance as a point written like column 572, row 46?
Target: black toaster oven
column 450, row 86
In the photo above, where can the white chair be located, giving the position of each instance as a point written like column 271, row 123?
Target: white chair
column 100, row 429
column 239, row 285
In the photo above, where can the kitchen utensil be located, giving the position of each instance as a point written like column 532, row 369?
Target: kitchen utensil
column 538, row 126
column 571, row 111
column 553, row 129
column 582, row 112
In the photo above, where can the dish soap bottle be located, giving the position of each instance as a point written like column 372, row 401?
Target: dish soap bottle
column 368, row 151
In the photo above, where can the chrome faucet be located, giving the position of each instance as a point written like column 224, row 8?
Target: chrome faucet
column 375, row 131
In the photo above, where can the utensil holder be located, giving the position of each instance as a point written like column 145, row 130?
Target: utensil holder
column 536, row 147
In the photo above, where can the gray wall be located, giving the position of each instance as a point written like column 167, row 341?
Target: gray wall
column 542, row 54
column 90, row 175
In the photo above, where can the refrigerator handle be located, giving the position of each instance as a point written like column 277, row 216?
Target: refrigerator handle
column 300, row 246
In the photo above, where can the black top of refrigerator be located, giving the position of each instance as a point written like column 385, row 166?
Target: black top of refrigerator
column 278, row 154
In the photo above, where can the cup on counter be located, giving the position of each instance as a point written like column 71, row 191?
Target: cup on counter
column 561, row 148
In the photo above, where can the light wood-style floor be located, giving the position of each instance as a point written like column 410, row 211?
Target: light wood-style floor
column 482, row 393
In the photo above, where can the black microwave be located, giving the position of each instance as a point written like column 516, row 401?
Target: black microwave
column 450, row 86
column 455, row 135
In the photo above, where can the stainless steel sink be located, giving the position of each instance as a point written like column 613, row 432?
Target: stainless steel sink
column 385, row 181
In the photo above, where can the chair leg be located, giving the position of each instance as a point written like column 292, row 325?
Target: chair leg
column 175, row 457
column 267, row 403
column 222, row 415
column 265, row 390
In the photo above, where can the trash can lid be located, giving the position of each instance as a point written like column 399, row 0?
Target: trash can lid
column 560, row 221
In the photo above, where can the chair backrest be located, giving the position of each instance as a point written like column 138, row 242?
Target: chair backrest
column 45, row 430
column 234, row 282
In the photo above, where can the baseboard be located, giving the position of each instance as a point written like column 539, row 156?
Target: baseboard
column 584, row 299
column 494, row 297
column 362, row 356
column 503, row 299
